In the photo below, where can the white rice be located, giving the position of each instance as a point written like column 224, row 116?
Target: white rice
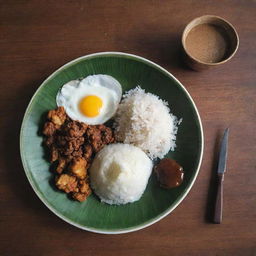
column 144, row 120
column 119, row 173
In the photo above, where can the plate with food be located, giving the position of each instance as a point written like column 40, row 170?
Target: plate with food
column 111, row 142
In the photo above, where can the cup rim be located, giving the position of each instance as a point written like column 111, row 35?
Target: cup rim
column 209, row 16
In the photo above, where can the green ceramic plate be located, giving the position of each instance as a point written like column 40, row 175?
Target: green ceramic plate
column 91, row 215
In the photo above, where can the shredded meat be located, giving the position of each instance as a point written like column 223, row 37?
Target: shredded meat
column 75, row 129
column 107, row 135
column 49, row 129
column 61, row 165
column 84, row 191
column 77, row 153
column 49, row 141
column 54, row 154
column 98, row 136
column 72, row 145
column 87, row 152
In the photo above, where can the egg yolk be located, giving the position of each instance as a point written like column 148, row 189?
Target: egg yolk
column 90, row 105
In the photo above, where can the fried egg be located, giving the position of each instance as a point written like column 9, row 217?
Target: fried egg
column 92, row 100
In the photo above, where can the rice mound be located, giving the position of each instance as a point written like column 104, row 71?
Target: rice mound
column 144, row 120
column 119, row 173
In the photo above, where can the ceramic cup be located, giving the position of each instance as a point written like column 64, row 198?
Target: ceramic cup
column 213, row 43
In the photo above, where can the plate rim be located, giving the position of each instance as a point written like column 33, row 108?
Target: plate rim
column 153, row 220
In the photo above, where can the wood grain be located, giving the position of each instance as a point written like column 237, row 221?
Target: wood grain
column 39, row 36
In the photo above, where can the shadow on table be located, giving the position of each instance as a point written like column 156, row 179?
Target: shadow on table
column 165, row 49
column 212, row 192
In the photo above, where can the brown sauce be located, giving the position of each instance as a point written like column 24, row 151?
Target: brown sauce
column 169, row 173
column 207, row 43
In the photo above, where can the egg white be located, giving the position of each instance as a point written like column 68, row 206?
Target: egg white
column 107, row 88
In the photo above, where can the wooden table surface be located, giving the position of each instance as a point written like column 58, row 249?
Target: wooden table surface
column 37, row 37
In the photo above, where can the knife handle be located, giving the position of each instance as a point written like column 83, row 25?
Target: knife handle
column 219, row 200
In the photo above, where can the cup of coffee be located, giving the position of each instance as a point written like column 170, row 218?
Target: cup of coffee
column 208, row 41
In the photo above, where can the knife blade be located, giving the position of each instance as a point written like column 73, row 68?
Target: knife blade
column 222, row 163
column 223, row 153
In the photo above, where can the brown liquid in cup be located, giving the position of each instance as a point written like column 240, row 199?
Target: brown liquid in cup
column 207, row 43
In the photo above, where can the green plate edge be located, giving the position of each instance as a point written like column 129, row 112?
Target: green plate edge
column 179, row 199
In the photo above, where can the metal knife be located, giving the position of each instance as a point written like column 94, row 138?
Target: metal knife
column 220, row 171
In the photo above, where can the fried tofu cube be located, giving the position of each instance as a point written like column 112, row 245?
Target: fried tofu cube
column 67, row 183
column 78, row 167
column 57, row 116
